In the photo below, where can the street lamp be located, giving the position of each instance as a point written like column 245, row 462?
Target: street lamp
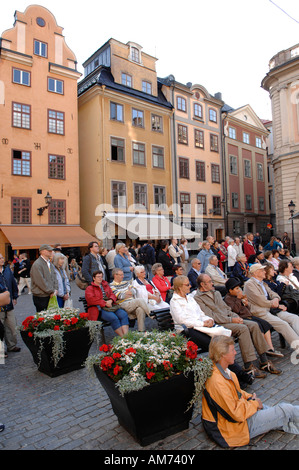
column 292, row 210
column 48, row 200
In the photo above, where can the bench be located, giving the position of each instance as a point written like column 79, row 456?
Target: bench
column 105, row 323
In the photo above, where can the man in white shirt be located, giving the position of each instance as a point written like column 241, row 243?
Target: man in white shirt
column 218, row 277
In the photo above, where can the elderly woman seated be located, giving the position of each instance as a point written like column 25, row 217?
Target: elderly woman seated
column 147, row 290
column 161, row 282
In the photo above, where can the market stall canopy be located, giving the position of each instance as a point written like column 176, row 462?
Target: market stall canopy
column 31, row 237
column 147, row 227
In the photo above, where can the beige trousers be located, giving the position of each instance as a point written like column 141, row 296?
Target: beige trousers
column 136, row 309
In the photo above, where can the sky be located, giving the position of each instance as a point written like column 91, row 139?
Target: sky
column 224, row 45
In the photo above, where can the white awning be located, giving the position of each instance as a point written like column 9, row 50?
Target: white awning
column 145, row 227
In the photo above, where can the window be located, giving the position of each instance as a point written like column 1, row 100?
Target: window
column 247, row 168
column 199, row 138
column 138, row 154
column 55, row 122
column 56, row 169
column 157, row 123
column 246, row 138
column 233, row 165
column 135, row 54
column 216, row 205
column 258, row 142
column 137, row 118
column 183, row 168
column 21, row 77
column 201, row 200
column 182, row 134
column 159, row 196
column 214, row 143
column 57, row 212
column 40, row 48
column 232, row 133
column 21, row 115
column 260, row 172
column 197, row 111
column 185, row 203
column 200, row 168
column 212, row 115
column 55, row 86
column 236, row 226
column 118, row 193
column 158, row 157
column 116, row 112
column 21, row 210
column 181, row 104
column 215, row 173
column 235, row 200
column 146, row 87
column 248, row 202
column 126, row 79
column 140, row 194
column 117, row 150
column 21, row 163
column 261, row 203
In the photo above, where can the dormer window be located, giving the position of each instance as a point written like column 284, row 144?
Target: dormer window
column 135, row 52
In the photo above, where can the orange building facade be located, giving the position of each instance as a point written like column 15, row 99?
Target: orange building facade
column 39, row 135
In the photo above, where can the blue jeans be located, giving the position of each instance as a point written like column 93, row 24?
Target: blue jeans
column 283, row 416
column 117, row 318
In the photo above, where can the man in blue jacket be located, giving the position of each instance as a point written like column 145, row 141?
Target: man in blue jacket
column 7, row 314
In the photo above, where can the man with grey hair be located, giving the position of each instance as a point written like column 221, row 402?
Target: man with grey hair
column 126, row 298
column 218, row 277
column 44, row 283
column 194, row 273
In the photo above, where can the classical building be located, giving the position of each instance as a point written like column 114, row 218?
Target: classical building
column 126, row 179
column 245, row 172
column 196, row 157
column 39, row 136
column 282, row 83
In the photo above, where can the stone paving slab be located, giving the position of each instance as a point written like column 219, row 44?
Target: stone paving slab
column 73, row 412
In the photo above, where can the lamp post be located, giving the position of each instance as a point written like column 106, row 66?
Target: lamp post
column 292, row 210
column 48, row 200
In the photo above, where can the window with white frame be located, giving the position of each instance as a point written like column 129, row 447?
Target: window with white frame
column 233, row 165
column 140, row 194
column 118, row 194
column 235, row 200
column 181, row 104
column 248, row 202
column 260, row 172
column 246, row 138
column 247, row 168
column 146, row 87
column 55, row 86
column 116, row 112
column 197, row 111
column 138, row 153
column 157, row 123
column 158, row 157
column 21, row 115
column 232, row 133
column 137, row 118
column 21, row 77
column 40, row 48
column 261, row 203
column 159, row 196
column 117, row 149
column 212, row 115
column 258, row 142
column 126, row 79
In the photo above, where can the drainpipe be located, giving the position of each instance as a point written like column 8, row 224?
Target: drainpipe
column 175, row 176
column 224, row 174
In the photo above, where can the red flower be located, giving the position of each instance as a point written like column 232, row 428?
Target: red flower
column 104, row 348
column 167, row 365
column 74, row 320
column 27, row 321
column 56, row 328
column 149, row 375
column 67, row 322
column 83, row 315
column 130, row 350
column 106, row 363
column 116, row 370
column 30, row 334
column 149, row 365
column 116, row 356
column 57, row 317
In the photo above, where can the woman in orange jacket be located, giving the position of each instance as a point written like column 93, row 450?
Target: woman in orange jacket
column 161, row 282
column 231, row 416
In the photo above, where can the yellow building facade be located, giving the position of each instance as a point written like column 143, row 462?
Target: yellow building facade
column 124, row 140
column 39, row 135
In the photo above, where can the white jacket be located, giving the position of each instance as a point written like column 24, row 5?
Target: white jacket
column 231, row 255
column 291, row 280
column 186, row 311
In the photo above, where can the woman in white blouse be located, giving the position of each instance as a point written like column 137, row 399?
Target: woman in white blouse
column 147, row 290
column 186, row 311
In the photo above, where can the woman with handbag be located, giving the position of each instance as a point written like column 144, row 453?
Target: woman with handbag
column 101, row 303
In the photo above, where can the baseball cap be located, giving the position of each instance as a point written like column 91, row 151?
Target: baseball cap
column 45, row 247
column 255, row 267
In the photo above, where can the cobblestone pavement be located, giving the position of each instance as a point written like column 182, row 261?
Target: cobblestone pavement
column 73, row 412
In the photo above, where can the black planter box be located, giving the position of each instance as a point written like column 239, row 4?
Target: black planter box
column 77, row 346
column 156, row 411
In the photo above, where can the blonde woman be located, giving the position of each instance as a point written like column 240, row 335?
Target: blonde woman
column 64, row 287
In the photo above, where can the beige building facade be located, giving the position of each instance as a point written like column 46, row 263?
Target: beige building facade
column 282, row 83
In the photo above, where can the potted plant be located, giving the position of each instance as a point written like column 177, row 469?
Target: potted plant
column 153, row 380
column 59, row 339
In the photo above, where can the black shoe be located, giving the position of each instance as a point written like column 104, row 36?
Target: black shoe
column 2, row 427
